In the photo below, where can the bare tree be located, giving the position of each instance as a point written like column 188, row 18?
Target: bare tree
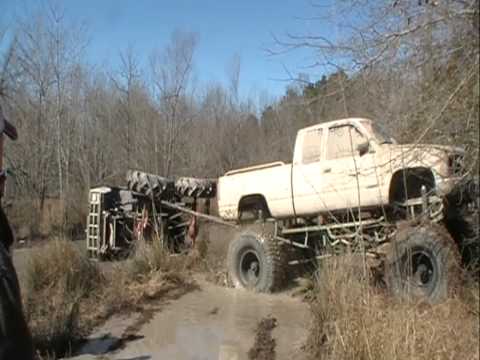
column 47, row 55
column 127, row 84
column 172, row 72
column 414, row 62
column 233, row 73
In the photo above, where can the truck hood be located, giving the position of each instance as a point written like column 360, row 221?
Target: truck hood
column 436, row 157
column 424, row 147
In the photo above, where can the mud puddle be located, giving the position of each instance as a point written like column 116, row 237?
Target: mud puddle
column 216, row 323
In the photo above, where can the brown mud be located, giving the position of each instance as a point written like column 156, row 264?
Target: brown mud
column 264, row 346
column 216, row 323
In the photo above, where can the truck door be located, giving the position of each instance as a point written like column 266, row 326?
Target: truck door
column 344, row 170
column 307, row 179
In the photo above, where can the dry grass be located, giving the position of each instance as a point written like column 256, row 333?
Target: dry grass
column 32, row 223
column 151, row 257
column 57, row 279
column 149, row 274
column 211, row 260
column 60, row 263
column 353, row 320
column 66, row 295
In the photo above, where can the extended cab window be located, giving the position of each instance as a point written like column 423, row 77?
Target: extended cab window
column 340, row 141
column 312, row 146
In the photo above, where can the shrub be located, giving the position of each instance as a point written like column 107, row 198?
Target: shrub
column 153, row 257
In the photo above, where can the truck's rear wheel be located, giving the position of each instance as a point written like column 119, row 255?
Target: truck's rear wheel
column 423, row 263
column 256, row 262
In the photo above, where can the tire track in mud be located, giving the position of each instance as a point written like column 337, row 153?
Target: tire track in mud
column 264, row 346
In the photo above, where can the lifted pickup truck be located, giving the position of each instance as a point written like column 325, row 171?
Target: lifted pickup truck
column 338, row 166
column 409, row 209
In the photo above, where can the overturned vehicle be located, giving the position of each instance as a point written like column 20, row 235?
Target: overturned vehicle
column 148, row 206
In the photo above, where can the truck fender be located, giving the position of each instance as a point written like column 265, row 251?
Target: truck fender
column 407, row 183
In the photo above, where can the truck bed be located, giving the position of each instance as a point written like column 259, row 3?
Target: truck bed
column 272, row 180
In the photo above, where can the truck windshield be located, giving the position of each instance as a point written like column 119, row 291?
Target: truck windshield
column 378, row 132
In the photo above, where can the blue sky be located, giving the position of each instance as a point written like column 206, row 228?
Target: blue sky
column 225, row 28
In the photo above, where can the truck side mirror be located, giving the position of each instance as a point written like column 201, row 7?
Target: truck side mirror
column 363, row 148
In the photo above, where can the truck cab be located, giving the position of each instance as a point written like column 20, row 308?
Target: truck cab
column 354, row 162
column 332, row 161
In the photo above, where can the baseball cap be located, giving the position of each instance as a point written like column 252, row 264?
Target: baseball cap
column 6, row 127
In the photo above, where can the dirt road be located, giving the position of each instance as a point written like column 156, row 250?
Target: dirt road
column 212, row 323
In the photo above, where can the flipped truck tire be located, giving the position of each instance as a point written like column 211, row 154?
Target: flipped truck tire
column 149, row 184
column 423, row 263
column 256, row 262
column 196, row 188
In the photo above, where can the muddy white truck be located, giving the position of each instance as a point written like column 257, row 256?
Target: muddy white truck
column 410, row 210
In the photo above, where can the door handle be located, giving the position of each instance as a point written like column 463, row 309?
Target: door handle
column 327, row 170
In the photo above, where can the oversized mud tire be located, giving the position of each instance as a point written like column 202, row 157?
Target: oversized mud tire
column 463, row 223
column 149, row 184
column 193, row 187
column 423, row 263
column 256, row 262
column 470, row 243
column 175, row 231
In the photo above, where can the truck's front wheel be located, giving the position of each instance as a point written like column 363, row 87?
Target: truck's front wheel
column 423, row 263
column 256, row 262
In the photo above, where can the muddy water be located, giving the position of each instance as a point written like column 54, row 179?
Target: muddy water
column 216, row 323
